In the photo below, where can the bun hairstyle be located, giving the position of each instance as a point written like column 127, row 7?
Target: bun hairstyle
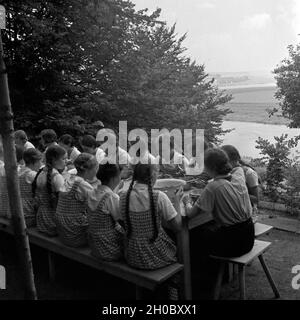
column 143, row 174
column 21, row 135
column 107, row 171
column 52, row 154
column 31, row 156
column 217, row 160
column 84, row 161
column 88, row 141
column 48, row 135
column 232, row 152
column 234, row 155
column 67, row 140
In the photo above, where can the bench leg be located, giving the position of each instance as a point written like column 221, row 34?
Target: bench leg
column 218, row 283
column 268, row 274
column 242, row 282
column 183, row 247
column 51, row 264
column 230, row 272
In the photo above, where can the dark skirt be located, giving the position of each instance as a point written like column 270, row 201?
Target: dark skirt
column 232, row 241
column 209, row 240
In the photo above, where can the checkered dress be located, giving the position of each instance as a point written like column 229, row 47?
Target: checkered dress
column 104, row 239
column 140, row 252
column 29, row 203
column 4, row 204
column 45, row 217
column 71, row 220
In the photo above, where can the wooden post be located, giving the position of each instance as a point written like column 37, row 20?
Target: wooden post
column 18, row 221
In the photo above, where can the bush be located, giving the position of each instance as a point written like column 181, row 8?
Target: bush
column 276, row 158
column 292, row 185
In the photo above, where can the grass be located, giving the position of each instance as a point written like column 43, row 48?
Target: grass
column 251, row 105
column 253, row 112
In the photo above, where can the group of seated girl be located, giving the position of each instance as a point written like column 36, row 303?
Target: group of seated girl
column 129, row 226
column 83, row 206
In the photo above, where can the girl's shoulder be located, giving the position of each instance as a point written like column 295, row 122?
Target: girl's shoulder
column 101, row 195
column 28, row 174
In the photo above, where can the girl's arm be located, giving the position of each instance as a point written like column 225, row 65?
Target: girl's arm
column 253, row 194
column 191, row 210
column 175, row 223
column 205, row 203
column 171, row 218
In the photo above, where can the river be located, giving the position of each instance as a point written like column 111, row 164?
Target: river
column 246, row 133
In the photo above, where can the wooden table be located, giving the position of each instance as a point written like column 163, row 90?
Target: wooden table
column 183, row 240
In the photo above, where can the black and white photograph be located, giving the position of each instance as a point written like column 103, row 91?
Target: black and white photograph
column 149, row 154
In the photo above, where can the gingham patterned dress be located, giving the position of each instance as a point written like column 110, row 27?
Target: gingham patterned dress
column 45, row 217
column 71, row 219
column 29, row 203
column 140, row 252
column 4, row 204
column 105, row 241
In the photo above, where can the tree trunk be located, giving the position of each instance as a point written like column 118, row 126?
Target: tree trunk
column 18, row 221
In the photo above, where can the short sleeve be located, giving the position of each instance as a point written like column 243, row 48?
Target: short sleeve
column 30, row 177
column 113, row 206
column 84, row 190
column 251, row 178
column 165, row 207
column 28, row 145
column 58, row 182
column 206, row 201
column 100, row 155
column 74, row 154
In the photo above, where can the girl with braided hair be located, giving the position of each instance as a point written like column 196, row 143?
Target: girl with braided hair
column 45, row 187
column 33, row 162
column 144, row 213
column 104, row 230
column 71, row 218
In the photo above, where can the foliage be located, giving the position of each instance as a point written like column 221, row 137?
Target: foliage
column 71, row 63
column 292, row 195
column 276, row 157
column 287, row 76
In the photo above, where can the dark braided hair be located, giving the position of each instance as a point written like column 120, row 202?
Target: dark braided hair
column 152, row 206
column 128, row 231
column 143, row 174
column 53, row 153
column 33, row 186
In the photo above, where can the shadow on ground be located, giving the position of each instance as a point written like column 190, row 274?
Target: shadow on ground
column 75, row 281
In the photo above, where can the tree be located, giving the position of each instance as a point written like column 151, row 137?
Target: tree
column 74, row 62
column 287, row 76
column 15, row 202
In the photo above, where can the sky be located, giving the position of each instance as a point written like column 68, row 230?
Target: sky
column 233, row 35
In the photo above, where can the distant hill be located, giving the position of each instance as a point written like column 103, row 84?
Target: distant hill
column 243, row 79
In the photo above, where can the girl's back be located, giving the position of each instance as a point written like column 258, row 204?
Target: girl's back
column 46, row 202
column 105, row 240
column 142, row 251
column 71, row 219
column 4, row 201
column 26, row 178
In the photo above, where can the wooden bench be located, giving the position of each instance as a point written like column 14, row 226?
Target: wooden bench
column 150, row 280
column 257, row 251
column 261, row 229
